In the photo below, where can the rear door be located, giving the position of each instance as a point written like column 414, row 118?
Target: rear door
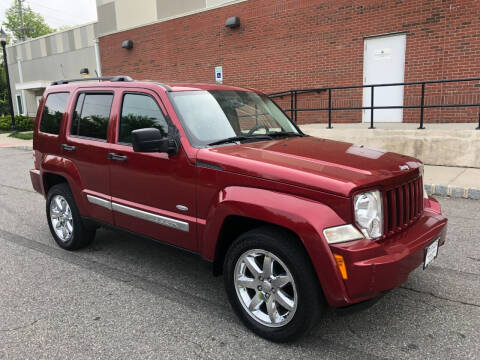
column 152, row 193
column 86, row 144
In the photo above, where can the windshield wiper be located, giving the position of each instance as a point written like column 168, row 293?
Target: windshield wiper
column 284, row 133
column 240, row 138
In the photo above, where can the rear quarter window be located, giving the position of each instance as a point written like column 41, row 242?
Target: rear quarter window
column 53, row 112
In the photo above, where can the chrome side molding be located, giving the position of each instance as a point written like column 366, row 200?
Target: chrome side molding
column 140, row 214
column 99, row 201
column 158, row 219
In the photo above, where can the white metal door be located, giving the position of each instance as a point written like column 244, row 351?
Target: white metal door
column 384, row 62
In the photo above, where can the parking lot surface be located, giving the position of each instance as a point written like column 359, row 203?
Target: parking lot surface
column 127, row 297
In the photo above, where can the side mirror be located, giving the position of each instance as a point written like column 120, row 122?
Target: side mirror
column 151, row 140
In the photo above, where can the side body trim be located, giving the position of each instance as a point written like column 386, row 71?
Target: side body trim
column 99, row 201
column 140, row 214
column 158, row 219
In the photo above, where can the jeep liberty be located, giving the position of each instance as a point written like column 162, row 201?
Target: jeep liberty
column 293, row 222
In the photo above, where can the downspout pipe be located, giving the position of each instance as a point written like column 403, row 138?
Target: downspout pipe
column 97, row 58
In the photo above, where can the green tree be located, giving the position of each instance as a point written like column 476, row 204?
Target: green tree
column 64, row 27
column 34, row 24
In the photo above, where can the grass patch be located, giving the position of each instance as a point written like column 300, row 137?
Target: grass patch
column 22, row 135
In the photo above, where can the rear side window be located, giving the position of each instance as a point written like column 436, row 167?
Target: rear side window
column 91, row 116
column 139, row 112
column 53, row 111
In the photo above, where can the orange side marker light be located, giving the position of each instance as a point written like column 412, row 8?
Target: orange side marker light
column 341, row 266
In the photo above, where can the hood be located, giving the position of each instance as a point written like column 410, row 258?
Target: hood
column 322, row 164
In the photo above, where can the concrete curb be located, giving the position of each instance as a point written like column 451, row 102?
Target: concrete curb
column 453, row 191
column 21, row 147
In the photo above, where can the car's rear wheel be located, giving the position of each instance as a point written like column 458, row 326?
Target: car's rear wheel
column 271, row 284
column 64, row 220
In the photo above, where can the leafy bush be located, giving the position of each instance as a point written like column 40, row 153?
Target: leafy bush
column 4, row 108
column 23, row 123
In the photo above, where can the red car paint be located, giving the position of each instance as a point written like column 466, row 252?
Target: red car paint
column 303, row 184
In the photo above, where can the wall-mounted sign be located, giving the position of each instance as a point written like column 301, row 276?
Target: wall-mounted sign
column 218, row 74
column 385, row 53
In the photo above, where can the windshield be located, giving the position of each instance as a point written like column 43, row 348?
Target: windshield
column 210, row 116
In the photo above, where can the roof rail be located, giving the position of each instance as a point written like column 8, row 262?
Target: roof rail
column 165, row 86
column 103, row 78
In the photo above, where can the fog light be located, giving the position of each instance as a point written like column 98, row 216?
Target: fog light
column 341, row 265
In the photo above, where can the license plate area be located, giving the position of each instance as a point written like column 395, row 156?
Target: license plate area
column 431, row 252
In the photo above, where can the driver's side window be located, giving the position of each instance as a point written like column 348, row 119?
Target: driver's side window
column 140, row 111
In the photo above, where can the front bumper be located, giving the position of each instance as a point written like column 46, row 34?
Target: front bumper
column 376, row 267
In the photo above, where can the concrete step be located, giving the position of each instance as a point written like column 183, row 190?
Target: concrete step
column 452, row 144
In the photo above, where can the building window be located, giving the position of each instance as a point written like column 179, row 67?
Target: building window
column 20, row 110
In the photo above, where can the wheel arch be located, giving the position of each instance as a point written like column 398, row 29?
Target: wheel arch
column 52, row 179
column 246, row 208
column 233, row 226
column 56, row 170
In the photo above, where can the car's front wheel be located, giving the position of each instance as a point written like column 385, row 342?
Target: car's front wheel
column 271, row 284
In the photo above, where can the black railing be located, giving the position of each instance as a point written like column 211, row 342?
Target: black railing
column 293, row 110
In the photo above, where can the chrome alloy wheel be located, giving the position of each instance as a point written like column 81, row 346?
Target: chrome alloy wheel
column 61, row 218
column 265, row 288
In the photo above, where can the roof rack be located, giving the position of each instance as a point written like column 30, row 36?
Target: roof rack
column 103, row 78
column 165, row 86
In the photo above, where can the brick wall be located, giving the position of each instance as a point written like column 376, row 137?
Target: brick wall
column 311, row 43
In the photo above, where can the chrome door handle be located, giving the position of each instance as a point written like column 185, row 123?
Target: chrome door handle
column 113, row 156
column 68, row 147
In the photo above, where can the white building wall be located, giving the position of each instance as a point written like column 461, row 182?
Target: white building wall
column 48, row 58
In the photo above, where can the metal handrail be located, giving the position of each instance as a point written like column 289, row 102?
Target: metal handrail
column 293, row 93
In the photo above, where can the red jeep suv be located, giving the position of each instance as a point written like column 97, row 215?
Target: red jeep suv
column 292, row 222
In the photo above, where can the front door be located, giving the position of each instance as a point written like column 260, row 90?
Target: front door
column 152, row 193
column 384, row 62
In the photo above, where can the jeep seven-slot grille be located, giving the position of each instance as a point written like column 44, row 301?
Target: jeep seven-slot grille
column 404, row 205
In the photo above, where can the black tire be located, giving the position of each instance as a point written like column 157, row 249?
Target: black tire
column 82, row 235
column 286, row 247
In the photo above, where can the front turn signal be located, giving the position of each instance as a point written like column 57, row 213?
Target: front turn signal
column 341, row 266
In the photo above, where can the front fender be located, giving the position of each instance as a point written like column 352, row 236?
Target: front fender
column 304, row 217
column 64, row 167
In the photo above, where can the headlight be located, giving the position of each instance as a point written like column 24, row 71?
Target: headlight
column 369, row 213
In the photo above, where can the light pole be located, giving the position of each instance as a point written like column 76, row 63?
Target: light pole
column 3, row 41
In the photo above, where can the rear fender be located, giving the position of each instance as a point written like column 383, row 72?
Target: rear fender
column 304, row 217
column 64, row 167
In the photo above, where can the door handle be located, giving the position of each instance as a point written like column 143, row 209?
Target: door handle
column 113, row 156
column 68, row 147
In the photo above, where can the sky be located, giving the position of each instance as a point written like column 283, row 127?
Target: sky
column 58, row 12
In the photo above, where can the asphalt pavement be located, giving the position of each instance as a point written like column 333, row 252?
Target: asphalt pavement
column 127, row 298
